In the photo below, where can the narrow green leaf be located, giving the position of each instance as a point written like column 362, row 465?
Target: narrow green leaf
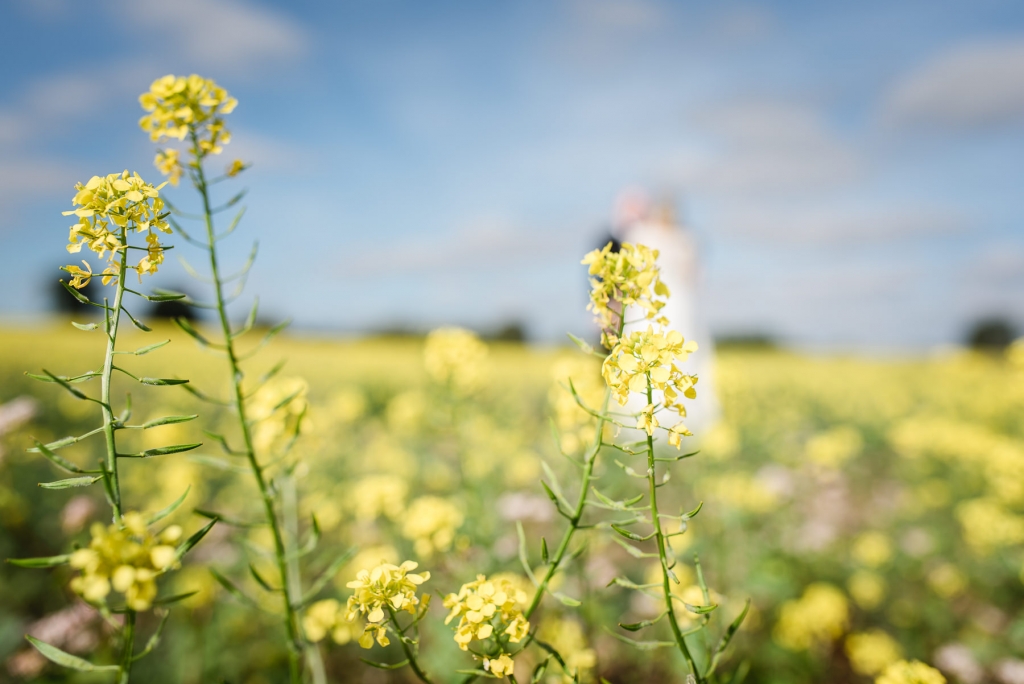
column 141, row 351
column 72, row 482
column 163, row 451
column 544, row 550
column 328, row 574
column 162, row 381
column 78, row 295
column 168, row 600
column 585, row 347
column 85, row 326
column 186, row 326
column 168, row 420
column 260, row 580
column 54, row 654
column 524, row 559
column 193, row 540
column 59, row 461
column 637, row 626
column 630, row 535
column 695, row 511
column 138, row 324
column 48, row 562
column 566, row 600
column 165, row 296
column 700, row 610
column 385, row 666
column 228, row 520
column 63, row 383
column 643, row 645
column 234, row 590
column 164, row 512
column 154, row 640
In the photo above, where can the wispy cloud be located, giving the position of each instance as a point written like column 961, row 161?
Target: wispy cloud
column 975, row 84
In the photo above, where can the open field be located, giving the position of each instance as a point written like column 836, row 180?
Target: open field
column 846, row 497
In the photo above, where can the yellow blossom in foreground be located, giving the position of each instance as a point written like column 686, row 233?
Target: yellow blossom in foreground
column 430, row 522
column 125, row 558
column 646, row 359
column 628, row 277
column 455, row 357
column 486, row 609
column 820, row 616
column 177, row 104
column 379, row 592
column 501, row 666
column 872, row 651
column 108, row 208
column 913, row 672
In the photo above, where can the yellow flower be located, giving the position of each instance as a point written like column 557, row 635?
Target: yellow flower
column 168, row 162
column 567, row 637
column 327, row 617
column 947, row 580
column 913, row 672
column 872, row 549
column 125, row 558
column 867, row 589
column 380, row 591
column 500, row 666
column 235, row 168
column 455, row 357
column 646, row 359
column 818, row 617
column 378, row 495
column 181, row 106
column 834, row 447
column 486, row 609
column 621, row 279
column 872, row 651
column 125, row 203
column 430, row 522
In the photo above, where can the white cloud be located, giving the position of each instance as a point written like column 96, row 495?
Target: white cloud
column 971, row 85
column 219, row 34
column 771, row 146
column 830, row 223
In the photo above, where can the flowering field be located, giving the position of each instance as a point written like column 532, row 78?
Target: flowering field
column 871, row 511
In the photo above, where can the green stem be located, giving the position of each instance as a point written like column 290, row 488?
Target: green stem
column 662, row 556
column 290, row 612
column 577, row 513
column 125, row 669
column 410, row 654
column 111, row 319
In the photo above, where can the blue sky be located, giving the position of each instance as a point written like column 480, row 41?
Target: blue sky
column 853, row 170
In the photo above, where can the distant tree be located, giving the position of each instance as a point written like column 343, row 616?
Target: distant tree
column 63, row 302
column 512, row 331
column 993, row 334
column 751, row 340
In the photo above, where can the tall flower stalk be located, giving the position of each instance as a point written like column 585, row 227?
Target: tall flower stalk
column 120, row 567
column 192, row 109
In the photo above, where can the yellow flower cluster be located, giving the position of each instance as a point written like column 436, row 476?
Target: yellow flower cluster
column 430, row 523
column 913, row 672
column 128, row 203
column 620, row 279
column 377, row 495
column 820, row 616
column 168, row 162
column 872, row 651
column 126, row 558
column 834, row 447
column 327, row 617
column 648, row 358
column 179, row 103
column 867, row 588
column 486, row 609
column 455, row 357
column 379, row 592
